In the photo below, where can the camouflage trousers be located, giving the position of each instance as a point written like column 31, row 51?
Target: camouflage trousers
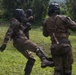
column 62, row 57
column 25, row 46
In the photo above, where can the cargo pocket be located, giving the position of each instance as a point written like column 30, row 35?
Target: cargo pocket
column 65, row 48
column 54, row 49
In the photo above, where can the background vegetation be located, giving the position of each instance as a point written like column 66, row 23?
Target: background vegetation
column 71, row 7
column 39, row 8
column 11, row 61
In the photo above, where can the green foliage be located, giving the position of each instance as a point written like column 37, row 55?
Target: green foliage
column 39, row 7
column 71, row 6
column 10, row 5
column 1, row 10
column 63, row 8
column 13, row 63
column 0, row 3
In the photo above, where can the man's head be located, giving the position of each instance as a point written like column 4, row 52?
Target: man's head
column 53, row 8
column 29, row 12
column 18, row 14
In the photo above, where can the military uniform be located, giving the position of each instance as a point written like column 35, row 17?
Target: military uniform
column 22, row 44
column 11, row 35
column 18, row 31
column 31, row 59
column 57, row 26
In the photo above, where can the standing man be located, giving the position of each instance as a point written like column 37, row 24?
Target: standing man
column 31, row 60
column 56, row 26
column 18, row 26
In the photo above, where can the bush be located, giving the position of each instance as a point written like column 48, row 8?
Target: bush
column 39, row 7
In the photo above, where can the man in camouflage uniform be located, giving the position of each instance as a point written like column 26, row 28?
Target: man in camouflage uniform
column 56, row 26
column 31, row 59
column 18, row 27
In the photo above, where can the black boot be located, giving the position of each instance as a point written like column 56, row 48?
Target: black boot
column 43, row 58
column 29, row 66
column 67, row 74
column 58, row 72
column 46, row 63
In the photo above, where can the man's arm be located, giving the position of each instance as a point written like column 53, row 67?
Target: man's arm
column 70, row 23
column 29, row 19
column 8, row 36
column 45, row 33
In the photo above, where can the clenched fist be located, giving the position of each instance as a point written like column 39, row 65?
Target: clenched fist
column 2, row 48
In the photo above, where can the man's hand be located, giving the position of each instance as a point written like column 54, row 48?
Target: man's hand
column 31, row 18
column 2, row 48
column 28, row 24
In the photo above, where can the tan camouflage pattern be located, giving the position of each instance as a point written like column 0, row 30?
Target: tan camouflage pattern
column 20, row 40
column 58, row 24
column 61, row 50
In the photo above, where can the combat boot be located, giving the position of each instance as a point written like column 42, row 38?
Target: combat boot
column 58, row 72
column 44, row 61
column 67, row 74
column 29, row 66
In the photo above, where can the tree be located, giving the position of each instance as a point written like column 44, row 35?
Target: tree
column 39, row 7
column 71, row 6
column 10, row 5
column 63, row 8
column 1, row 10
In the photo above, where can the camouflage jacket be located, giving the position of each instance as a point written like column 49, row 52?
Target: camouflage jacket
column 16, row 30
column 59, row 25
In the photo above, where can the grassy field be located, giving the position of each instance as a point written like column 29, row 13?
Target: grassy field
column 13, row 63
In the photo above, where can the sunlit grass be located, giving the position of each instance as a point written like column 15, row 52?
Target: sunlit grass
column 13, row 63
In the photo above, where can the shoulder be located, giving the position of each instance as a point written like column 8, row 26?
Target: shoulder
column 14, row 22
column 45, row 20
column 62, row 17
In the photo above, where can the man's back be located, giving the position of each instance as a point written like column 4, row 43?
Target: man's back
column 55, row 24
column 18, row 30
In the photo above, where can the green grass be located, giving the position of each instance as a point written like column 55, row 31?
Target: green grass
column 13, row 63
